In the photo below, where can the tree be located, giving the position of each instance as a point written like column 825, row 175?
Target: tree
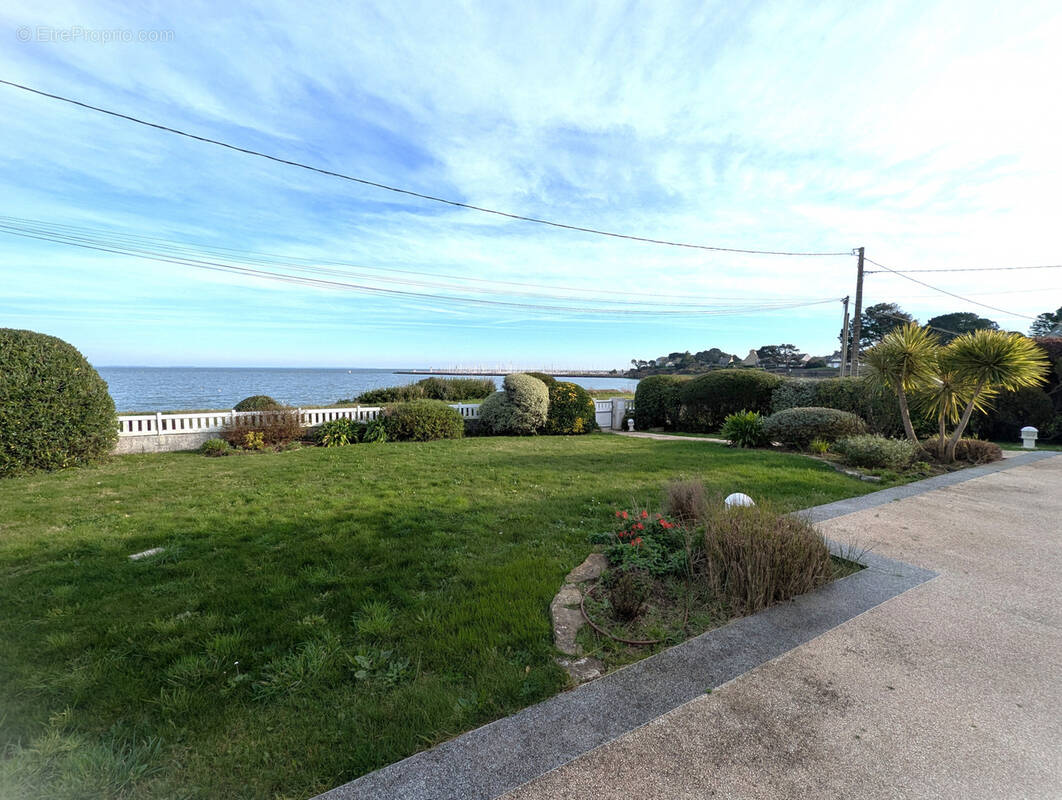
column 903, row 361
column 876, row 321
column 990, row 362
column 779, row 355
column 948, row 326
column 1043, row 324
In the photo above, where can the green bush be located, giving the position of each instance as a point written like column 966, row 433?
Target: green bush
column 571, row 409
column 338, row 432
column 258, row 402
column 215, row 448
column 1012, row 411
column 708, row 399
column 755, row 556
column 452, row 390
column 874, row 451
column 880, row 410
column 657, row 403
column 54, row 407
column 744, row 429
column 549, row 380
column 796, row 427
column 794, row 393
column 521, row 408
column 375, row 432
column 423, row 421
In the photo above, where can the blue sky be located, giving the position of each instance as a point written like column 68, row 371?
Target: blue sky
column 926, row 132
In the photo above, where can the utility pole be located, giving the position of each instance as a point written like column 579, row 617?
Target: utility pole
column 857, row 321
column 844, row 338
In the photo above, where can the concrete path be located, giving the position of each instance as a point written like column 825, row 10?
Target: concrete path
column 950, row 690
column 667, row 437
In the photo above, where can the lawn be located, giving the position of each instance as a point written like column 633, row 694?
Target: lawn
column 316, row 614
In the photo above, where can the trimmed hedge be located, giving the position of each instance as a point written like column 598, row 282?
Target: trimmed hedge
column 657, row 403
column 795, row 393
column 257, row 402
column 423, row 421
column 55, row 410
column 521, row 408
column 796, row 427
column 874, row 451
column 452, row 390
column 571, row 409
column 709, row 399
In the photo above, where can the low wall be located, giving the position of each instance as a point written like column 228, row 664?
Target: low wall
column 162, row 444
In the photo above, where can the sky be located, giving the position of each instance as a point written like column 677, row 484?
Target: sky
column 925, row 132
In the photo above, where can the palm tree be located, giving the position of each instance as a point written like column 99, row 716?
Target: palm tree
column 903, row 361
column 992, row 361
column 945, row 396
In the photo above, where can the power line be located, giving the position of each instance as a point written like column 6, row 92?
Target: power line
column 952, row 294
column 96, row 235
column 215, row 266
column 965, row 269
column 408, row 192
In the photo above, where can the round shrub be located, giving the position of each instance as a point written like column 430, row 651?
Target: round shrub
column 657, row 403
column 423, row 421
column 55, row 411
column 258, row 402
column 571, row 409
column 215, row 448
column 707, row 400
column 977, row 451
column 796, row 427
column 874, row 451
column 794, row 393
column 744, row 429
column 521, row 408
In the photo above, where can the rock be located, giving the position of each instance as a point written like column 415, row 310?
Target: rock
column 589, row 570
column 582, row 670
column 870, row 478
column 567, row 619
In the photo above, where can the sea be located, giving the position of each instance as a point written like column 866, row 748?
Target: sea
column 139, row 389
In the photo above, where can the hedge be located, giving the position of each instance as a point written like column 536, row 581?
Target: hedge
column 709, row 399
column 55, row 410
column 657, row 403
column 571, row 409
column 423, row 421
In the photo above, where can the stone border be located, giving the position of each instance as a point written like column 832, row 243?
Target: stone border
column 491, row 760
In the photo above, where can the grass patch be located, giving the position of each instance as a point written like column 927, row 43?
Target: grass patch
column 1039, row 446
column 315, row 614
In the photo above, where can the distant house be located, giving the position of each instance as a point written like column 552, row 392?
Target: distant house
column 751, row 360
column 804, row 361
column 834, row 361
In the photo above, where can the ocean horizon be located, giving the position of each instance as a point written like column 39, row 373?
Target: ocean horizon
column 147, row 389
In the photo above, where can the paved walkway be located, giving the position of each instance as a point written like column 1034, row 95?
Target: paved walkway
column 667, row 437
column 951, row 690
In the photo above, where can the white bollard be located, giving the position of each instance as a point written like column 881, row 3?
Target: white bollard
column 738, row 499
column 1028, row 437
column 630, row 425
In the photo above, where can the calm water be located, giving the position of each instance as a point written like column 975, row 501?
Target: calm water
column 187, row 388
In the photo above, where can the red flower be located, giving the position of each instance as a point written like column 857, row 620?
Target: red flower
column 624, row 515
column 637, row 542
column 645, row 514
column 666, row 525
column 617, row 515
column 640, row 527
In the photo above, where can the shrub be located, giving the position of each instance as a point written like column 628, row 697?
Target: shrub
column 709, row 399
column 685, row 501
column 453, row 390
column 798, row 426
column 423, row 421
column 628, row 592
column 744, row 429
column 338, row 432
column 976, row 451
column 1012, row 411
column 794, row 393
column 520, row 408
column 755, row 556
column 257, row 402
column 874, row 451
column 571, row 409
column 549, row 380
column 646, row 542
column 375, row 432
column 54, row 407
column 215, row 448
column 819, row 446
column 880, row 410
column 657, row 403
column 272, row 429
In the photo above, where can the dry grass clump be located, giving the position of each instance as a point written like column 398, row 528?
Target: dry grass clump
column 686, row 502
column 268, row 429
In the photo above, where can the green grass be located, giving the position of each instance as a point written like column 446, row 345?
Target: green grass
column 1039, row 446
column 316, row 614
